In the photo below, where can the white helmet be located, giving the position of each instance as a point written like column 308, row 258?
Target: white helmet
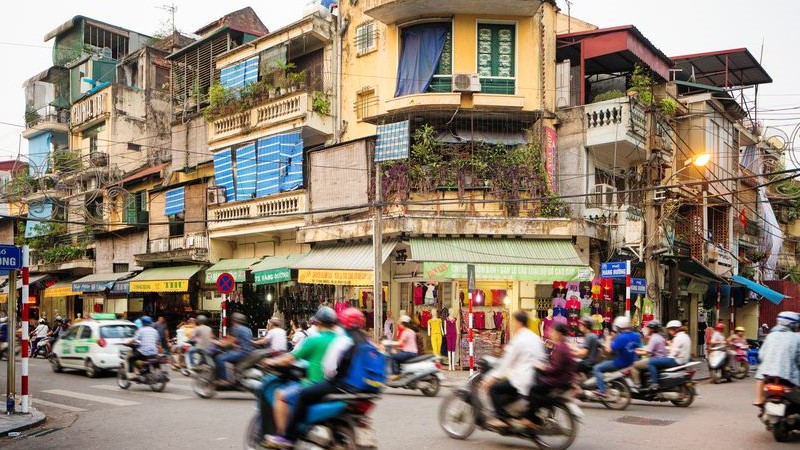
column 621, row 323
column 789, row 319
column 674, row 324
column 405, row 319
column 3, row 320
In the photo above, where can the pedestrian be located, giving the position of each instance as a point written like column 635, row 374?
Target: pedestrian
column 163, row 332
column 763, row 331
column 300, row 334
column 388, row 326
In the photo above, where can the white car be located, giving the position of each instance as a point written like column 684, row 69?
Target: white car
column 92, row 345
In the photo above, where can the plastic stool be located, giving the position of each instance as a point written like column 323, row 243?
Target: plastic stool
column 752, row 357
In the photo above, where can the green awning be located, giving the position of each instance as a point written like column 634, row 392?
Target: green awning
column 350, row 256
column 542, row 260
column 275, row 269
column 236, row 267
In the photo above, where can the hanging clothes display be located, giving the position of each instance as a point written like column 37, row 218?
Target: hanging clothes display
column 424, row 317
column 430, row 295
column 480, row 320
column 419, row 294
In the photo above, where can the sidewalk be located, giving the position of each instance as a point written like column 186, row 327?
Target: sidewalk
column 10, row 423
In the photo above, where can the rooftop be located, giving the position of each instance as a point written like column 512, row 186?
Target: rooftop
column 724, row 68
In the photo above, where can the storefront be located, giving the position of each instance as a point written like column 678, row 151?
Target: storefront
column 171, row 291
column 61, row 299
column 99, row 293
column 276, row 286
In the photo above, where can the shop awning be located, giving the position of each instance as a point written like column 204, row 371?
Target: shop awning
column 697, row 270
column 543, row 260
column 164, row 279
column 61, row 289
column 773, row 296
column 344, row 264
column 275, row 269
column 98, row 282
column 236, row 267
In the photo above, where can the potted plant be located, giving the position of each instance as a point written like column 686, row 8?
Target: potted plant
column 296, row 80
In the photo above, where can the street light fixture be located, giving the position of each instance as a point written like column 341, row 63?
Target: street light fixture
column 698, row 160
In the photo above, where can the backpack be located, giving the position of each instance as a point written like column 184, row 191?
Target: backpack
column 367, row 368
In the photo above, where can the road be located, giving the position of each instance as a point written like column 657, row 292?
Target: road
column 94, row 414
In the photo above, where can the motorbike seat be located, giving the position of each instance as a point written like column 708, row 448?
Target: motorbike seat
column 252, row 358
column 419, row 358
column 349, row 397
column 681, row 367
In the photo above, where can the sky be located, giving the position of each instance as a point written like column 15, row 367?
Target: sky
column 677, row 27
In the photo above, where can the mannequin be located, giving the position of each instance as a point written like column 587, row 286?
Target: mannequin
column 451, row 336
column 547, row 322
column 435, row 331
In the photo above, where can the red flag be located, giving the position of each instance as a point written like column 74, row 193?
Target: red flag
column 743, row 218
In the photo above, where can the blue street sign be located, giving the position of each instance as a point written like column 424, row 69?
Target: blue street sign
column 613, row 269
column 10, row 257
column 638, row 286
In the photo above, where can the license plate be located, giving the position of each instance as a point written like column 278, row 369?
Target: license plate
column 689, row 384
column 365, row 437
column 775, row 409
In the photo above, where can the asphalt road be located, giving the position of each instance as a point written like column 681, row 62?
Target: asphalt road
column 88, row 413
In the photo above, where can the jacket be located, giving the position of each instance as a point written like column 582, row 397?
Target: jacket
column 560, row 372
column 780, row 355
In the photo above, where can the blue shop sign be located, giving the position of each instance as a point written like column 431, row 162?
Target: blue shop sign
column 614, row 269
column 638, row 286
column 92, row 286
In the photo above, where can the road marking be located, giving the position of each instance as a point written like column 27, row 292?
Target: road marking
column 91, row 398
column 164, row 395
column 179, row 386
column 39, row 401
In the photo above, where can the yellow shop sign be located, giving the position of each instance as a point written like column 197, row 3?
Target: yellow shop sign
column 60, row 291
column 336, row 277
column 160, row 286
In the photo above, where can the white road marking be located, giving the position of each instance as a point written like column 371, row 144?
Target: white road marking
column 91, row 398
column 164, row 395
column 38, row 401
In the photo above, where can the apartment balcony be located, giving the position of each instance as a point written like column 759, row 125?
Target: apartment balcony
column 277, row 212
column 616, row 130
column 192, row 247
column 398, row 11
column 46, row 119
column 92, row 109
column 67, row 255
column 276, row 115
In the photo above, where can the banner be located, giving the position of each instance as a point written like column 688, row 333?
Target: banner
column 507, row 272
column 159, row 286
column 551, row 157
column 272, row 276
column 60, row 291
column 335, row 277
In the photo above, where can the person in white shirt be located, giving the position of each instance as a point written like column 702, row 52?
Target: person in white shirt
column 275, row 340
column 300, row 334
column 41, row 332
column 679, row 352
column 514, row 374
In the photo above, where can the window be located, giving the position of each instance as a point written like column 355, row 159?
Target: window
column 443, row 76
column 176, row 225
column 86, row 333
column 91, row 134
column 366, row 36
column 71, row 333
column 121, row 267
column 496, row 58
column 117, row 331
column 366, row 103
column 136, row 208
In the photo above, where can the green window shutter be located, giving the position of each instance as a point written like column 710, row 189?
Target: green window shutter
column 130, row 209
column 496, row 58
column 443, row 77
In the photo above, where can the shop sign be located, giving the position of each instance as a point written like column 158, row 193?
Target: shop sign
column 121, row 287
column 638, row 286
column 272, row 276
column 4, row 299
column 239, row 275
column 60, row 291
column 551, row 157
column 617, row 269
column 159, row 286
column 508, row 272
column 91, row 287
column 336, row 277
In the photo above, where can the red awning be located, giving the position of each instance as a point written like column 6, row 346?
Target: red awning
column 142, row 173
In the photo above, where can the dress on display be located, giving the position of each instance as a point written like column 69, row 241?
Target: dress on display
column 424, row 317
column 419, row 294
column 480, row 320
column 435, row 326
column 452, row 334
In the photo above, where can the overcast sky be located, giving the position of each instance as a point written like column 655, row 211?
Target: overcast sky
column 676, row 27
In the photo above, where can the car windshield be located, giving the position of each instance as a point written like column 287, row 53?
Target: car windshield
column 117, row 331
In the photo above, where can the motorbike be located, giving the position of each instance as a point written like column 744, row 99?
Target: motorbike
column 618, row 395
column 781, row 411
column 463, row 411
column 718, row 366
column 40, row 348
column 675, row 385
column 246, row 374
column 339, row 421
column 422, row 372
column 741, row 364
column 151, row 371
column 4, row 349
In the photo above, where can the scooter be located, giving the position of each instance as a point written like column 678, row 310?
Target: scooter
column 741, row 365
column 339, row 421
column 4, row 349
column 718, row 366
column 675, row 385
column 618, row 395
column 246, row 374
column 423, row 373
column 40, row 348
column 151, row 372
column 464, row 411
column 781, row 411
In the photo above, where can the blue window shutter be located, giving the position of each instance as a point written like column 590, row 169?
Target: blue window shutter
column 250, row 74
column 223, row 173
column 227, row 77
column 174, row 203
column 246, row 172
column 268, row 166
column 291, row 161
column 39, row 154
column 37, row 210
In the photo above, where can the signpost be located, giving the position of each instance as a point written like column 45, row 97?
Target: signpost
column 225, row 285
column 619, row 269
column 11, row 258
column 471, row 337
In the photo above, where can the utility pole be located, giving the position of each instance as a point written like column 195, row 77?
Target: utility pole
column 652, row 216
column 11, row 332
column 377, row 246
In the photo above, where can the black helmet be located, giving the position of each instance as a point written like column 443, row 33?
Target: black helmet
column 654, row 324
column 239, row 318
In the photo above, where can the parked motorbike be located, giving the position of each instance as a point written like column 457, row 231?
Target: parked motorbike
column 423, row 373
column 151, row 371
column 339, row 421
column 675, row 386
column 246, row 374
column 781, row 410
column 618, row 395
column 463, row 411
column 718, row 366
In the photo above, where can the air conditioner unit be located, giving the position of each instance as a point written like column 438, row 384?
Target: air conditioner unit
column 605, row 196
column 106, row 53
column 216, row 195
column 466, row 82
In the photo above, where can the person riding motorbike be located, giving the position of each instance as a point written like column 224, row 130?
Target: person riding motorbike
column 656, row 348
column 58, row 332
column 514, row 374
column 3, row 329
column 239, row 343
column 148, row 344
column 780, row 354
column 679, row 352
column 312, row 351
column 41, row 332
column 590, row 351
column 406, row 345
column 624, row 342
column 275, row 340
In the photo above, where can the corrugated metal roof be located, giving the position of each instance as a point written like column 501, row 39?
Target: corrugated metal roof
column 343, row 257
column 103, row 277
column 278, row 262
column 233, row 264
column 167, row 273
column 552, row 252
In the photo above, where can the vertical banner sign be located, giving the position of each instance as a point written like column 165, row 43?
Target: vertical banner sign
column 628, row 289
column 471, row 336
column 551, row 157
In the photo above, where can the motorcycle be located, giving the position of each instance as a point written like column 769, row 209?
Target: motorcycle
column 340, row 421
column 463, row 411
column 741, row 365
column 781, row 411
column 4, row 349
column 151, row 372
column 422, row 372
column 246, row 374
column 675, row 385
column 718, row 366
column 618, row 395
column 40, row 348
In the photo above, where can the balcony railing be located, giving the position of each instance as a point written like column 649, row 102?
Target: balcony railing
column 46, row 115
column 187, row 242
column 617, row 125
column 252, row 211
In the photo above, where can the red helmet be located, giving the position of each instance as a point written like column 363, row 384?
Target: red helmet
column 719, row 326
column 352, row 318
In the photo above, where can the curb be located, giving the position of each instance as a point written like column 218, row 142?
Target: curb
column 37, row 418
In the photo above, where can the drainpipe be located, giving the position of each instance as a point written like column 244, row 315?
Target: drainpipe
column 337, row 74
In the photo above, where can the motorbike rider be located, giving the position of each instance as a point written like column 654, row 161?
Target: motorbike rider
column 406, row 345
column 148, row 343
column 656, row 348
column 202, row 336
column 514, row 374
column 41, row 332
column 679, row 352
column 737, row 337
column 780, row 354
column 239, row 343
column 275, row 340
column 591, row 349
column 58, row 332
column 3, row 329
column 312, row 351
column 623, row 343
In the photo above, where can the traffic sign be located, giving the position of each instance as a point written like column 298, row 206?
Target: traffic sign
column 225, row 283
column 10, row 257
column 470, row 277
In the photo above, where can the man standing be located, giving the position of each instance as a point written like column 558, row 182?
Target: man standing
column 389, row 326
column 624, row 344
column 680, row 350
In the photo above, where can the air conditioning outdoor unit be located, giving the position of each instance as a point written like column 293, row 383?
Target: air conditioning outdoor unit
column 216, row 195
column 466, row 82
column 605, row 196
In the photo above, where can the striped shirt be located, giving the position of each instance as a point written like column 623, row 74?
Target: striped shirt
column 148, row 338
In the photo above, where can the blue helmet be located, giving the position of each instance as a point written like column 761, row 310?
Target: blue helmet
column 146, row 320
column 326, row 315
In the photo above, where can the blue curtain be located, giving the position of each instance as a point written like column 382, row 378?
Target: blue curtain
column 291, row 161
column 237, row 75
column 419, row 56
column 223, row 173
column 37, row 210
column 269, row 167
column 245, row 172
column 39, row 154
column 175, row 202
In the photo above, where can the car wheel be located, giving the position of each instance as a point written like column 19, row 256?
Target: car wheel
column 91, row 370
column 55, row 364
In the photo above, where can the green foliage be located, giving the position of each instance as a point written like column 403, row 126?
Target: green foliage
column 641, row 80
column 747, row 272
column 320, row 103
column 608, row 95
column 793, row 274
column 47, row 246
column 61, row 253
column 32, row 116
column 667, row 106
column 66, row 160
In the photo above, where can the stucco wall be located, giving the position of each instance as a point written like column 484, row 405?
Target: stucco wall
column 119, row 249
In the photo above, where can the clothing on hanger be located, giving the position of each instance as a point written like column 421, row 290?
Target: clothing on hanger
column 419, row 294
column 480, row 320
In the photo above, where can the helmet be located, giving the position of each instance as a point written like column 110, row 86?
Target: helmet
column 621, row 323
column 674, row 324
column 3, row 320
column 352, row 318
column 789, row 319
column 325, row 315
column 405, row 319
column 719, row 326
column 42, row 321
column 276, row 321
column 587, row 321
column 654, row 324
column 201, row 319
column 238, row 317
column 737, row 329
column 146, row 320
